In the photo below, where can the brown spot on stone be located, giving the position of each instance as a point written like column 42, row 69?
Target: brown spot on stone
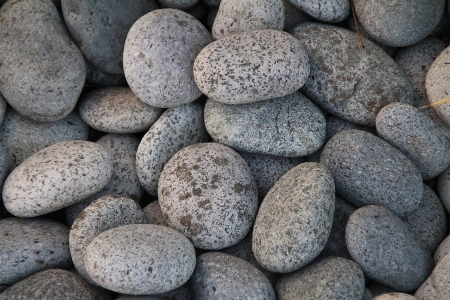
column 195, row 167
column 182, row 172
column 186, row 220
column 197, row 192
column 193, row 228
column 185, row 196
column 215, row 179
column 238, row 188
column 205, row 204
column 165, row 192
column 220, row 161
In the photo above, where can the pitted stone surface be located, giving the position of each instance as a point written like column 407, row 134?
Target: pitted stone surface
column 331, row 11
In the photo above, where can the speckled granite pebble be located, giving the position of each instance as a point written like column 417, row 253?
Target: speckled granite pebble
column 154, row 214
column 23, row 137
column 55, row 177
column 416, row 135
column 251, row 66
column 177, row 128
column 179, row 4
column 368, row 170
column 328, row 278
column 399, row 23
column 96, row 77
column 235, row 16
column 295, row 218
column 181, row 293
column 159, row 54
column 42, row 72
column 395, row 296
column 222, row 276
column 117, row 110
column 289, row 126
column 105, row 213
column 140, row 259
column 386, row 249
column 443, row 188
column 350, row 82
column 207, row 192
column 437, row 285
column 442, row 250
column 31, row 245
column 331, row 11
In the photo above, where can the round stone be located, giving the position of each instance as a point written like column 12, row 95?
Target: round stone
column 181, row 293
column 331, row 11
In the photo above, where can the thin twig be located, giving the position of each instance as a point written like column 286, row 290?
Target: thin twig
column 436, row 103
column 356, row 25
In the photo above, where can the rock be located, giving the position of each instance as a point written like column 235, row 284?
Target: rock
column 259, row 65
column 42, row 72
column 328, row 278
column 159, row 54
column 437, row 285
column 293, row 16
column 395, row 296
column 98, row 292
column 350, row 82
column 100, row 28
column 386, row 249
column 179, row 4
column 5, row 164
column 55, row 177
column 177, row 128
column 181, row 293
column 3, row 106
column 221, row 276
column 207, row 192
column 443, row 188
column 442, row 250
column 127, row 259
column 154, row 214
column 31, row 245
column 117, row 110
column 416, row 135
column 236, row 16
column 377, row 289
column 289, row 126
column 105, row 213
column 24, row 137
column 97, row 77
column 400, row 23
column 367, row 294
column 330, row 11
column 368, row 170
column 295, row 218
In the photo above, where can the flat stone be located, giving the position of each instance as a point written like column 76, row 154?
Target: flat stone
column 436, row 286
column 330, row 11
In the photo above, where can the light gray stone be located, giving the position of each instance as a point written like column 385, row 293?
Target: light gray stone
column 395, row 296
column 140, row 259
column 437, row 285
column 96, row 77
column 331, row 11
column 251, row 66
column 154, row 214
column 42, row 72
column 179, row 4
column 295, row 218
column 442, row 250
column 207, row 192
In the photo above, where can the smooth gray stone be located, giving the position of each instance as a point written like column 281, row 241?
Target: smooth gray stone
column 437, row 285
column 96, row 77
column 222, row 276
column 331, row 11
column 293, row 16
column 31, row 245
column 442, row 250
column 179, row 4
column 350, row 82
column 368, row 170
column 328, row 278
column 251, row 66
column 178, row 127
column 56, row 177
column 117, row 110
column 99, row 28
column 395, row 296
column 105, row 213
column 140, row 259
column 235, row 16
column 42, row 72
column 181, row 293
column 399, row 23
column 50, row 284
column 386, row 249
column 415, row 135
column 295, row 218
column 207, row 192
column 154, row 214
column 159, row 54
column 289, row 126
column 24, row 137
column 429, row 221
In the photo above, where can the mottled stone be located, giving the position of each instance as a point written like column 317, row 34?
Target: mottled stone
column 96, row 77
column 331, row 11
column 368, row 170
column 251, row 66
column 442, row 250
column 154, row 214
column 177, row 128
column 55, row 177
column 140, row 259
column 207, row 192
column 295, row 218
column 328, row 278
column 42, row 72
column 386, row 249
column 179, row 4
column 159, row 54
column 437, row 285
column 222, row 276
column 31, row 245
column 395, row 296
column 350, row 82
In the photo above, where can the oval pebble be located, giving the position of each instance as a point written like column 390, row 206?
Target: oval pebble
column 159, row 54
column 395, row 296
column 368, row 170
column 437, row 285
column 222, row 276
column 55, row 177
column 295, row 218
column 289, row 126
column 31, row 245
column 331, row 11
column 259, row 65
column 328, row 278
column 207, row 192
column 386, row 249
column 140, row 259
column 117, row 110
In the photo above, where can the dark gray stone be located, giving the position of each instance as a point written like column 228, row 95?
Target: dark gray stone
column 215, row 3
column 367, row 294
column 437, row 285
column 377, row 289
column 96, row 77
column 331, row 11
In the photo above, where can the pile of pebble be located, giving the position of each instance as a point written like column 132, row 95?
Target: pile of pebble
column 234, row 149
